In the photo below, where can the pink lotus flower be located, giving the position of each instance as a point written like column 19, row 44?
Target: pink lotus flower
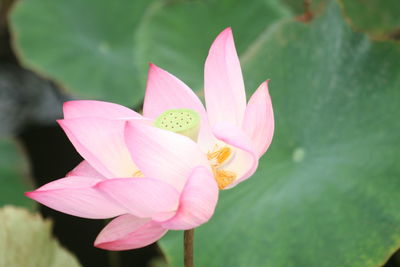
column 153, row 179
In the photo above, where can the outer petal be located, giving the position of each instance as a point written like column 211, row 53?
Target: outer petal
column 129, row 232
column 223, row 82
column 162, row 154
column 101, row 142
column 259, row 119
column 245, row 161
column 164, row 91
column 75, row 195
column 142, row 197
column 92, row 108
column 197, row 203
column 84, row 169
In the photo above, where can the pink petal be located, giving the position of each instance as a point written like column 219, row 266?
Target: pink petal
column 143, row 197
column 84, row 169
column 198, row 200
column 162, row 154
column 259, row 119
column 245, row 161
column 223, row 82
column 129, row 232
column 101, row 142
column 75, row 196
column 92, row 108
column 164, row 91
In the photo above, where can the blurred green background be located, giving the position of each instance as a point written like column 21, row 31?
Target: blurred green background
column 327, row 193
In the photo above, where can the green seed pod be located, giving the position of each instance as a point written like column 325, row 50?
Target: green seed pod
column 182, row 121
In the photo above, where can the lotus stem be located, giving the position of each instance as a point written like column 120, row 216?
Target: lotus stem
column 188, row 240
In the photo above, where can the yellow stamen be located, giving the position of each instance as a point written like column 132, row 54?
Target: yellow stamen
column 220, row 155
column 224, row 178
column 138, row 173
column 217, row 157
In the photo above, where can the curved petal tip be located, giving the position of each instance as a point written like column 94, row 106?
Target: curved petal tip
column 129, row 232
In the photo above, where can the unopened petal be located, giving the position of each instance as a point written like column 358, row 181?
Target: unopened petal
column 244, row 161
column 76, row 196
column 143, row 197
column 162, row 154
column 101, row 142
column 259, row 119
column 129, row 232
column 197, row 202
column 223, row 82
column 93, row 108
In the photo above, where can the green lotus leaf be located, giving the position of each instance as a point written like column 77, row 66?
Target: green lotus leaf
column 380, row 19
column 25, row 240
column 14, row 171
column 327, row 191
column 86, row 46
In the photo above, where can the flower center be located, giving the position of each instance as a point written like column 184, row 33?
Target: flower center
column 182, row 121
column 217, row 158
column 187, row 122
